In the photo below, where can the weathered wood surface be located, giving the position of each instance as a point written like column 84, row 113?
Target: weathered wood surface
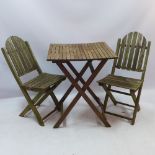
column 21, row 61
column 123, row 82
column 20, row 55
column 132, row 52
column 43, row 81
column 73, row 52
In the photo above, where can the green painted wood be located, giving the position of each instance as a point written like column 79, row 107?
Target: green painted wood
column 137, row 51
column 21, row 61
column 146, row 60
column 32, row 55
column 127, row 50
column 142, row 54
column 23, row 53
column 12, row 68
column 117, row 53
column 131, row 53
column 123, row 82
column 109, row 94
column 43, row 81
column 121, row 52
column 20, row 55
column 15, row 59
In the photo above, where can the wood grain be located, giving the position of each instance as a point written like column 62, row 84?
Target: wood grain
column 80, row 52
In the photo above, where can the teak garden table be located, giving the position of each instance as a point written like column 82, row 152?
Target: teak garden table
column 64, row 54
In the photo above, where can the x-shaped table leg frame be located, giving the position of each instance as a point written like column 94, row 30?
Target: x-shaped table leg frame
column 83, row 82
column 81, row 91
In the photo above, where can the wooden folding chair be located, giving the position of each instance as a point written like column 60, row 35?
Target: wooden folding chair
column 21, row 61
column 132, row 52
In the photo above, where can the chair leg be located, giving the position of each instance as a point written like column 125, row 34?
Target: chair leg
column 135, row 98
column 106, row 99
column 132, row 94
column 137, row 107
column 109, row 94
column 33, row 108
column 138, row 97
column 134, row 115
column 35, row 111
column 59, row 106
column 54, row 98
column 37, row 100
column 105, row 102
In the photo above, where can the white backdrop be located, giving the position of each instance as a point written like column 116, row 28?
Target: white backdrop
column 42, row 22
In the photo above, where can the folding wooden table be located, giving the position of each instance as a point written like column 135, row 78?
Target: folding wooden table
column 64, row 54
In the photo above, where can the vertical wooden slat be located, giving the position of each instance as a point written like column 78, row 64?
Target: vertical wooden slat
column 118, row 47
column 131, row 53
column 141, row 55
column 117, row 53
column 126, row 54
column 137, row 51
column 36, row 65
column 121, row 53
column 146, row 59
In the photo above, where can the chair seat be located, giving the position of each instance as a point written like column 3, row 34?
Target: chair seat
column 123, row 82
column 43, row 82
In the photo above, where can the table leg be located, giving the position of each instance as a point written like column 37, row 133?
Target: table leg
column 83, row 82
column 71, row 86
column 81, row 92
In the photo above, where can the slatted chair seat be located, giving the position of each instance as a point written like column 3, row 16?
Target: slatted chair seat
column 132, row 51
column 43, row 82
column 122, row 82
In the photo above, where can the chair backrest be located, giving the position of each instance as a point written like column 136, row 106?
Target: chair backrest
column 132, row 52
column 19, row 55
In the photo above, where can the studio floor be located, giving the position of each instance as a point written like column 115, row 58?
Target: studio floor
column 81, row 134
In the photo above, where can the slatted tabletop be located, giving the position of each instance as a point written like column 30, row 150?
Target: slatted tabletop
column 80, row 52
